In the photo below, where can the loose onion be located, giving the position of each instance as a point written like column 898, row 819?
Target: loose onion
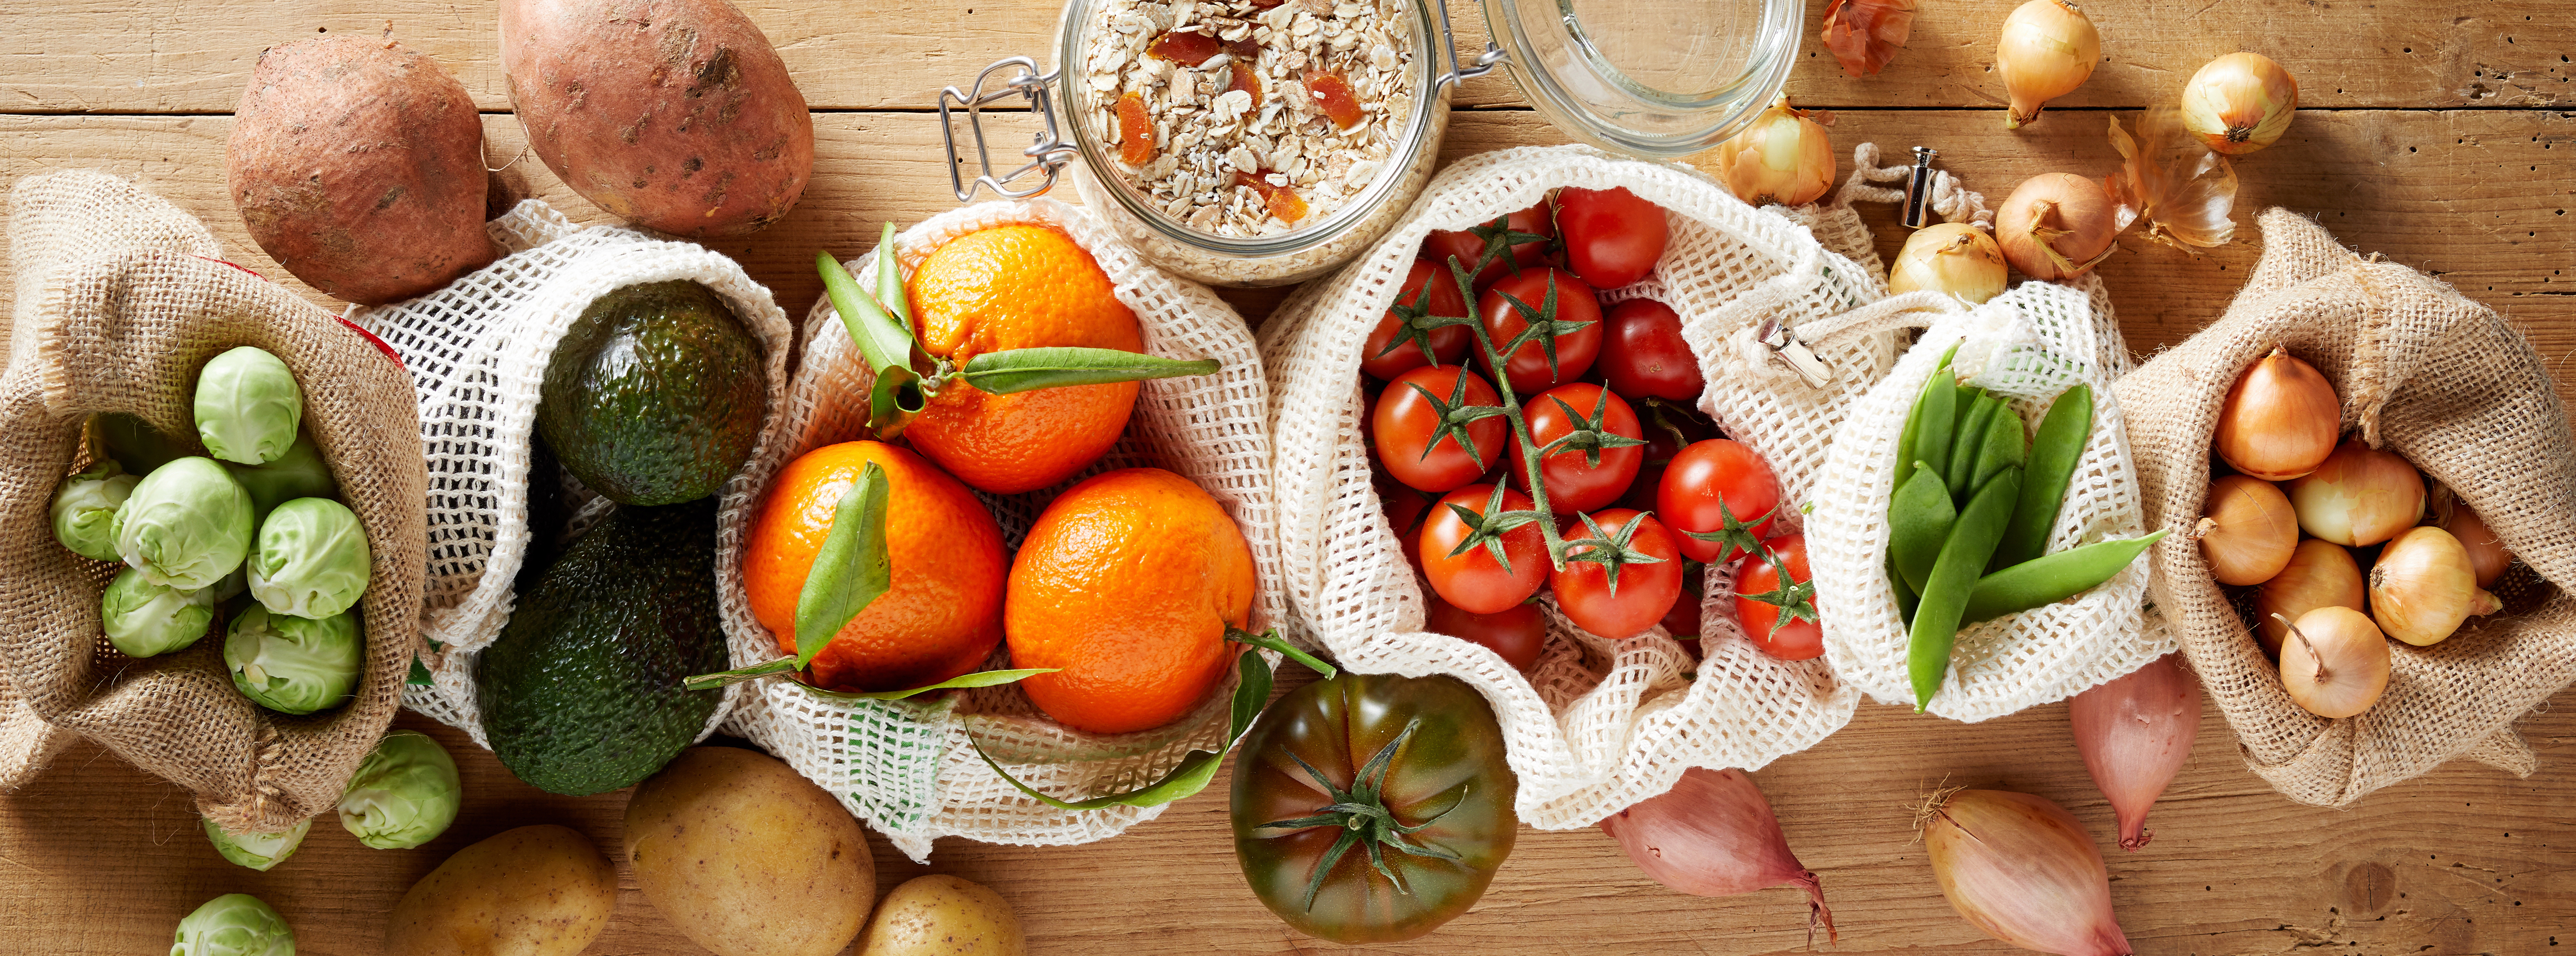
column 1783, row 157
column 2336, row 665
column 2135, row 732
column 2021, row 869
column 2056, row 225
column 2486, row 551
column 1713, row 834
column 2247, row 530
column 2239, row 103
column 2320, row 574
column 2280, row 419
column 2423, row 586
column 1951, row 257
column 2359, row 497
column 2049, row 48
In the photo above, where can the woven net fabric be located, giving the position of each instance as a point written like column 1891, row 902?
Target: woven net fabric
column 2027, row 346
column 910, row 768
column 122, row 297
column 477, row 353
column 1597, row 724
column 2450, row 386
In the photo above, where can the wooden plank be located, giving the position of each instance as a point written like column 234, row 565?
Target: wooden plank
column 100, row 56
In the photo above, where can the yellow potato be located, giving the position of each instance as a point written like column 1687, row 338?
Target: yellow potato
column 747, row 857
column 533, row 891
column 942, row 915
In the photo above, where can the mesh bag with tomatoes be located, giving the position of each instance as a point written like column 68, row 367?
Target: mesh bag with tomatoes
column 1680, row 284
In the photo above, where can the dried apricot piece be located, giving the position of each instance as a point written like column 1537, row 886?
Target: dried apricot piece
column 1283, row 202
column 1188, row 49
column 1333, row 95
column 1135, row 131
column 1241, row 78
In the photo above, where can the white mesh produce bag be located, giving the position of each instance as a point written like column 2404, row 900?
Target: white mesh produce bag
column 2027, row 345
column 1598, row 724
column 477, row 353
column 909, row 767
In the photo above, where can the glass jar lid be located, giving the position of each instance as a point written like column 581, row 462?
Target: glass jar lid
column 1654, row 78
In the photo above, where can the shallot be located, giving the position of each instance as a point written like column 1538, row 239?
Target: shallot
column 2021, row 869
column 1713, row 834
column 2135, row 732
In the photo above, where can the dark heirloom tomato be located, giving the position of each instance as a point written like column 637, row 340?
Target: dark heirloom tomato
column 1395, row 348
column 1578, row 340
column 1412, row 778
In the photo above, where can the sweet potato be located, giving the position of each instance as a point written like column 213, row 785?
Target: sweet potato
column 358, row 165
column 674, row 115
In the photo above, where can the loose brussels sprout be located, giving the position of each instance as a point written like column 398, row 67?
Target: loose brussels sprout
column 186, row 525
column 405, row 793
column 311, row 559
column 234, row 924
column 128, row 441
column 299, row 473
column 248, row 406
column 144, row 619
column 85, row 509
column 293, row 665
column 259, row 851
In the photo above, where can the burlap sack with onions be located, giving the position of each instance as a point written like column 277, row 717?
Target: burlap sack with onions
column 121, row 298
column 1597, row 724
column 910, row 767
column 2442, row 381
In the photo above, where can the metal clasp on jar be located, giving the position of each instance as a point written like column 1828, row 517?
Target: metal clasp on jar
column 1047, row 152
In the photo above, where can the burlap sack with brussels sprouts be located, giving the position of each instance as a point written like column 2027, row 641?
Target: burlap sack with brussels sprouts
column 2445, row 383
column 121, row 297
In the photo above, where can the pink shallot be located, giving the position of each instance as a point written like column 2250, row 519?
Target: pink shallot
column 2135, row 733
column 1713, row 834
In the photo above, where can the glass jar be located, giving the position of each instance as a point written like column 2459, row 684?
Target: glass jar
column 1658, row 79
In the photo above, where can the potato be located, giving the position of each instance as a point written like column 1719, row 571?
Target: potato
column 674, row 115
column 747, row 857
column 533, row 891
column 941, row 915
column 358, row 165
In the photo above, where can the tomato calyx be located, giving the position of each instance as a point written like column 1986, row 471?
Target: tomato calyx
column 1543, row 326
column 1589, row 436
column 1796, row 599
column 1455, row 415
column 1362, row 815
column 1500, row 239
column 1610, row 550
column 1488, row 527
column 1415, row 323
column 1736, row 534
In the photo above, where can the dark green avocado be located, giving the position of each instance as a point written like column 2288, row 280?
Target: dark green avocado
column 654, row 397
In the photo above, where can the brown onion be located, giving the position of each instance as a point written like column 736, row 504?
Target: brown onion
column 1951, row 257
column 2056, row 225
column 2320, row 574
column 2021, row 869
column 2049, row 48
column 1782, row 157
column 2486, row 551
column 2247, row 530
column 2239, row 103
column 2423, row 586
column 2336, row 663
column 2280, row 419
column 1713, row 834
column 2135, row 732
column 2359, row 497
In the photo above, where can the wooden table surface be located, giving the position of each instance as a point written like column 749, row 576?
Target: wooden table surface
column 96, row 857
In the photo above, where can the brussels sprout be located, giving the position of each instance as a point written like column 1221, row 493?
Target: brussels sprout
column 144, row 619
column 186, row 525
column 248, row 407
column 293, row 665
column 405, row 793
column 128, row 441
column 311, row 559
column 234, row 924
column 299, row 473
column 259, row 851
column 85, row 509
column 233, row 585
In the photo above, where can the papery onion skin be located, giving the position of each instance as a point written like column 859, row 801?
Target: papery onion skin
column 1951, row 257
column 1782, row 157
column 2487, row 555
column 2135, row 732
column 1713, row 834
column 2021, row 869
column 2280, row 419
column 2335, row 664
column 2423, row 587
column 2239, row 103
column 2049, row 48
column 1865, row 34
column 2359, row 497
column 2320, row 574
column 2247, row 530
column 2056, row 225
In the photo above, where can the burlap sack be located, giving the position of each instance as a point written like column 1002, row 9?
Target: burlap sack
column 477, row 352
column 909, row 768
column 2436, row 378
column 1598, row 724
column 121, row 298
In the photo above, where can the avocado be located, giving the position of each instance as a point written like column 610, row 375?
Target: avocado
column 581, row 692
column 654, row 397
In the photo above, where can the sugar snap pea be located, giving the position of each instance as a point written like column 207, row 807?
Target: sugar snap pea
column 2048, row 580
column 1919, row 516
column 1961, row 472
column 1954, row 576
column 1936, row 415
column 1905, row 599
column 2003, row 444
column 2053, row 456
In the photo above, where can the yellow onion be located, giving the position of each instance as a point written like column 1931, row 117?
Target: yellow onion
column 2247, row 530
column 2359, row 497
column 2021, row 869
column 2423, row 586
column 2049, row 48
column 1951, row 257
column 2486, row 551
column 1783, row 157
column 2239, row 103
column 2280, row 419
column 2320, row 574
column 2336, row 664
column 2056, row 225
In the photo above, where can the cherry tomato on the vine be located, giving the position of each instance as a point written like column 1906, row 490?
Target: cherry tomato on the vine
column 1708, row 486
column 1393, row 349
column 1612, row 238
column 1574, row 483
column 1779, row 614
column 1576, row 346
column 1415, row 443
column 1472, row 578
column 1643, row 355
column 1648, row 569
column 1530, row 233
column 1518, row 632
